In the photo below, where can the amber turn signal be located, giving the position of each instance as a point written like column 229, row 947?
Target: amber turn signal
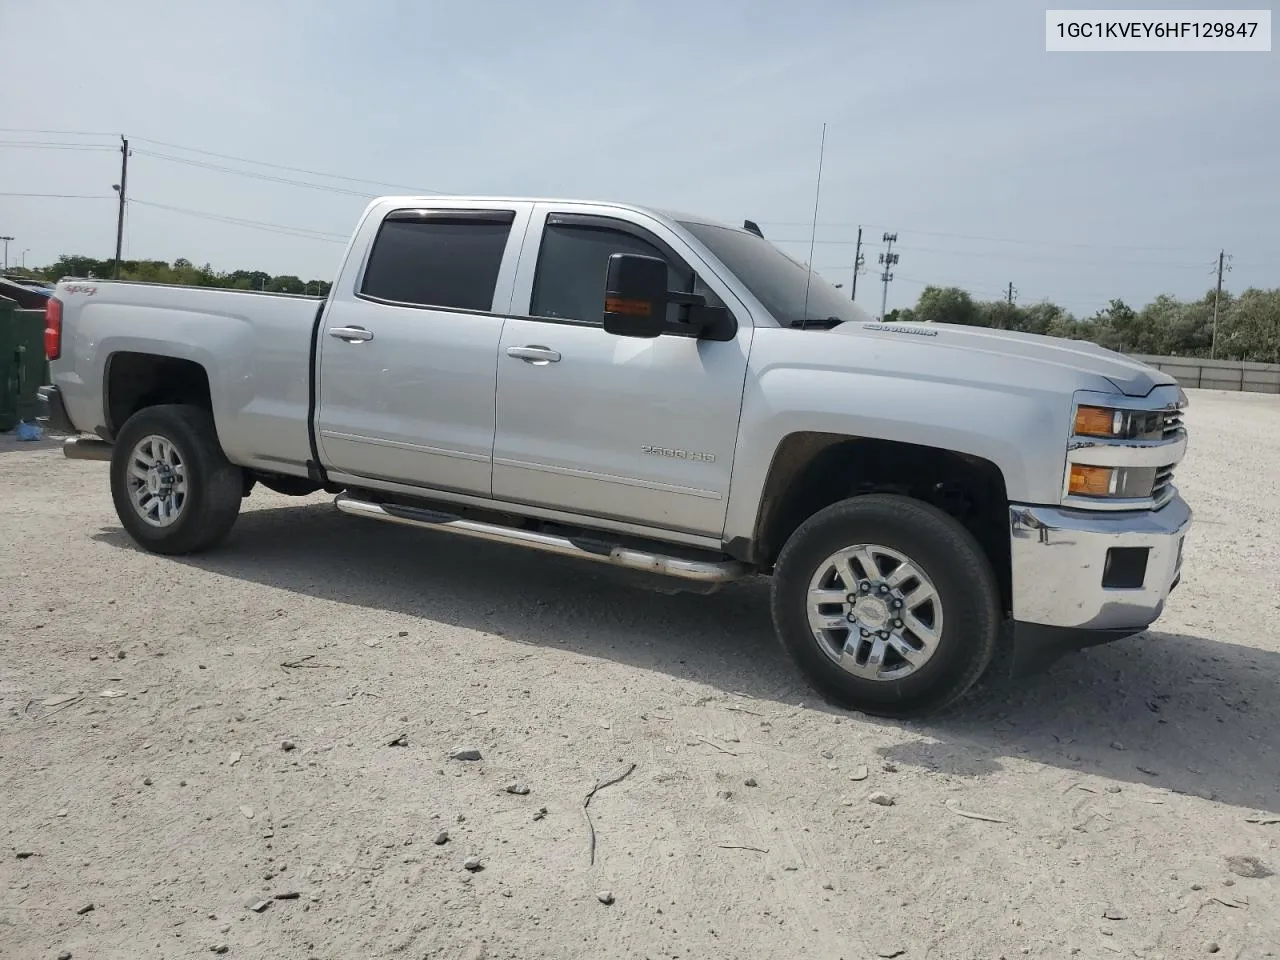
column 631, row 308
column 1089, row 481
column 1098, row 422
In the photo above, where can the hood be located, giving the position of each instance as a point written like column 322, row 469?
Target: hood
column 1131, row 377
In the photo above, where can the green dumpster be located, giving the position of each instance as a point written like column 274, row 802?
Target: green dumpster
column 23, row 368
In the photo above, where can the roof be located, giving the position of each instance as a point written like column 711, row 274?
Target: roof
column 620, row 204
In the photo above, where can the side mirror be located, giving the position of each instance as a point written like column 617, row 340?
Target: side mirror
column 635, row 296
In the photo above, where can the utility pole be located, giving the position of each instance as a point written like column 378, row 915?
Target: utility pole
column 1223, row 264
column 888, row 258
column 6, row 251
column 858, row 261
column 120, row 189
column 1011, row 293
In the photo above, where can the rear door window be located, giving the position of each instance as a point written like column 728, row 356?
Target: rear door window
column 442, row 259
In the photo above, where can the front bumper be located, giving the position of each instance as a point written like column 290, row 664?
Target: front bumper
column 1083, row 577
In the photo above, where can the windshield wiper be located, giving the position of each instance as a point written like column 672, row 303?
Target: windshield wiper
column 816, row 323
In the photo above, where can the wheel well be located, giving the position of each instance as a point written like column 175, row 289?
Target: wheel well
column 138, row 380
column 811, row 471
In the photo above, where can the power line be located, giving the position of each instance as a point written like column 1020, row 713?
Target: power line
column 62, row 196
column 304, row 233
column 207, row 153
column 252, row 175
column 43, row 145
column 993, row 255
column 241, row 221
column 969, row 236
column 1053, row 243
column 197, row 150
column 281, row 166
column 1034, row 258
column 62, row 133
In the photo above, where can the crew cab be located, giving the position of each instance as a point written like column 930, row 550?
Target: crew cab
column 661, row 392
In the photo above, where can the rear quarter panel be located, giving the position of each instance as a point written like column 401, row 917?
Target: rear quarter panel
column 254, row 347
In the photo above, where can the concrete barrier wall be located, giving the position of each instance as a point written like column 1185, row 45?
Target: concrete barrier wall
column 1219, row 374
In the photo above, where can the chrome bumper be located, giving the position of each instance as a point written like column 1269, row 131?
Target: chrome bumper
column 1060, row 562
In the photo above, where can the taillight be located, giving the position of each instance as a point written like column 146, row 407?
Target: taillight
column 53, row 329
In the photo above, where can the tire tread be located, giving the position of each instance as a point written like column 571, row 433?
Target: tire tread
column 217, row 485
column 952, row 545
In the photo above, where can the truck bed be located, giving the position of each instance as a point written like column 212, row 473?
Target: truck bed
column 256, row 348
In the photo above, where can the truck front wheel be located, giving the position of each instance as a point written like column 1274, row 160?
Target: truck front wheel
column 887, row 604
column 174, row 489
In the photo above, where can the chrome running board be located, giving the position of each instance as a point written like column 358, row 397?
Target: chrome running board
column 704, row 571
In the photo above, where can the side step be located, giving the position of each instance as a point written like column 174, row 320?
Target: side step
column 703, row 571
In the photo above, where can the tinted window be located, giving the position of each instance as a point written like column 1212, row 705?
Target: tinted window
column 783, row 286
column 437, row 262
column 573, row 266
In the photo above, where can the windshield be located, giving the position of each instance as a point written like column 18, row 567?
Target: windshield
column 776, row 280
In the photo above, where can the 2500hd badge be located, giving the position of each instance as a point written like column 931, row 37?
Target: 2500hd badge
column 693, row 455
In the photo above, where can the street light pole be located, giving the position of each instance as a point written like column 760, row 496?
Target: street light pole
column 6, row 251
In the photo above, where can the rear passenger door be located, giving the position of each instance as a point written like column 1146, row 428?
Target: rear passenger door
column 408, row 352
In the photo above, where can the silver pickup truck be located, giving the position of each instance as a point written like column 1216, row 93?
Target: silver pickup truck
column 664, row 393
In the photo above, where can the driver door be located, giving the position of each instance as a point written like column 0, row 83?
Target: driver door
column 638, row 430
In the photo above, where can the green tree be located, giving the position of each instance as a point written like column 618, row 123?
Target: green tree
column 1250, row 329
column 946, row 305
column 999, row 314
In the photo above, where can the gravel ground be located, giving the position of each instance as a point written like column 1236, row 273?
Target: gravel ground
column 201, row 750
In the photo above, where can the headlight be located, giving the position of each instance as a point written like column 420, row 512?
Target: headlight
column 1117, row 482
column 1099, row 422
column 1121, row 456
column 1111, row 424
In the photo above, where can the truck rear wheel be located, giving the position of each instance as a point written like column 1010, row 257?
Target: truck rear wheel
column 887, row 605
column 174, row 490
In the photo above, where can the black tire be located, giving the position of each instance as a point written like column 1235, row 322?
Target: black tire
column 939, row 546
column 214, row 485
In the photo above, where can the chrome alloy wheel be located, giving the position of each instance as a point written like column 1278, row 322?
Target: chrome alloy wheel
column 874, row 612
column 157, row 481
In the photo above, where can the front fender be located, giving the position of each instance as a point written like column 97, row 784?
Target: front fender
column 1019, row 430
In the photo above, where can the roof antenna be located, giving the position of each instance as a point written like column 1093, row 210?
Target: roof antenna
column 752, row 227
column 813, row 236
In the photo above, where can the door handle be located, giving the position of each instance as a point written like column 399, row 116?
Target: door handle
column 351, row 334
column 535, row 354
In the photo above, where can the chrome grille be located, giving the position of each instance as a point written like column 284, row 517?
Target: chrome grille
column 1154, row 424
column 1162, row 490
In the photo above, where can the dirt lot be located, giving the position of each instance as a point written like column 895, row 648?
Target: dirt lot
column 147, row 704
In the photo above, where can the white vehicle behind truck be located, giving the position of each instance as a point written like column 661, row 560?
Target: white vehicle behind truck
column 662, row 393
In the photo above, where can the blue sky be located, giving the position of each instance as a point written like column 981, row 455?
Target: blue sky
column 1078, row 177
